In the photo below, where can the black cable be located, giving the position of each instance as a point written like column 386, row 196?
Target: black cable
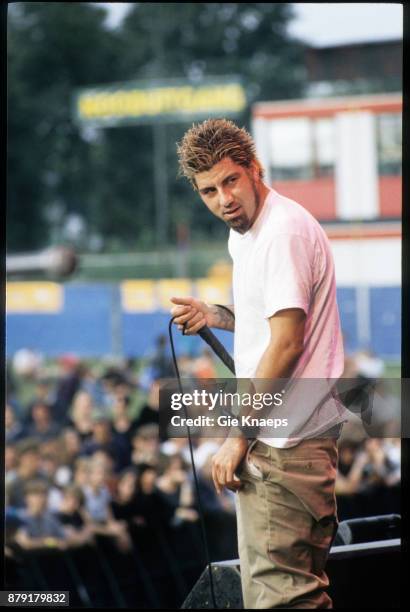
column 201, row 514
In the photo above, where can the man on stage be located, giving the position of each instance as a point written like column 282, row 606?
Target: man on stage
column 286, row 325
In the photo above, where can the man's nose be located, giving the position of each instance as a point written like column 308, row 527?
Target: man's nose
column 225, row 198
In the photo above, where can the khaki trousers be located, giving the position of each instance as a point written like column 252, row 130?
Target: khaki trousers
column 286, row 513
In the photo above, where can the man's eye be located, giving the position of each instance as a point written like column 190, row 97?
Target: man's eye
column 232, row 179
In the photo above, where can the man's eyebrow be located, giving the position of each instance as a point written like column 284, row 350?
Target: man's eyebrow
column 225, row 180
column 206, row 188
column 232, row 175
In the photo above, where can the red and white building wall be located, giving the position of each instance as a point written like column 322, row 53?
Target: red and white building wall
column 341, row 159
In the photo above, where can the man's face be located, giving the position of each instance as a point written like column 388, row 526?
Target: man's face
column 232, row 193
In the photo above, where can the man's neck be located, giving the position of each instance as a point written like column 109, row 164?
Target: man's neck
column 263, row 192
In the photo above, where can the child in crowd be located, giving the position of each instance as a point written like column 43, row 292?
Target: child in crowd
column 41, row 527
column 97, row 506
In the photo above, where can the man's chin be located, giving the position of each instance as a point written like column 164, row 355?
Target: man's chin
column 240, row 225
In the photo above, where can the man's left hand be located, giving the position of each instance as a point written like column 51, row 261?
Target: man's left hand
column 225, row 462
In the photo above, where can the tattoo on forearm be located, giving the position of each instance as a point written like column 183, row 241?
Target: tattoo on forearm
column 223, row 318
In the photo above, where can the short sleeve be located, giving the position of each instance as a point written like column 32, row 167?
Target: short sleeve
column 287, row 262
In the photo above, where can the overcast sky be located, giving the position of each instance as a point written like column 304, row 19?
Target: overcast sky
column 326, row 24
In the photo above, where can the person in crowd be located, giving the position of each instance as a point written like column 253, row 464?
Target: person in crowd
column 149, row 413
column 347, row 452
column 28, row 468
column 392, row 449
column 152, row 508
column 97, row 506
column 123, row 387
column 123, row 503
column 10, row 463
column 91, row 384
column 42, row 427
column 145, row 445
column 176, row 487
column 41, row 527
column 377, row 469
column 123, row 425
column 129, row 370
column 72, row 516
column 11, row 382
column 161, row 362
column 103, row 438
column 70, row 444
column 81, row 415
column 43, row 393
column 362, row 469
column 69, row 382
column 58, row 474
column 14, row 428
column 202, row 447
column 173, row 446
column 204, row 366
column 112, row 381
column 26, row 369
column 81, row 473
column 105, row 460
column 205, row 447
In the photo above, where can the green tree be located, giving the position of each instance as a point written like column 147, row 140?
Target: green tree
column 107, row 175
column 197, row 40
column 53, row 48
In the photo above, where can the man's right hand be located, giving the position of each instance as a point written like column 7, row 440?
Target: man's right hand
column 192, row 313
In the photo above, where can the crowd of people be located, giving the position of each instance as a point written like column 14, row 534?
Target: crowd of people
column 85, row 459
column 369, row 467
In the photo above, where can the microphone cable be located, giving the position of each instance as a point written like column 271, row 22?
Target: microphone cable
column 201, row 514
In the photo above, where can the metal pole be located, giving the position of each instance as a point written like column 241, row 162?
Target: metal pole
column 160, row 142
column 161, row 184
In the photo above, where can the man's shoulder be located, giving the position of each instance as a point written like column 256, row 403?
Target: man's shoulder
column 289, row 210
column 286, row 216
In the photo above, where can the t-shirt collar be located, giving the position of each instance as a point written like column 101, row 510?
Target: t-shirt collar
column 259, row 219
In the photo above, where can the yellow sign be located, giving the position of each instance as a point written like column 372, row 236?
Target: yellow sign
column 135, row 103
column 138, row 295
column 37, row 297
column 215, row 291
column 172, row 287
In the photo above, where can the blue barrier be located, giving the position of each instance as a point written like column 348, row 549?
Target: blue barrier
column 83, row 327
column 385, row 320
column 346, row 300
column 92, row 323
column 139, row 332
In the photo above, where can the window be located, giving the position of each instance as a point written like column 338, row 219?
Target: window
column 302, row 149
column 291, row 149
column 389, row 135
column 324, row 143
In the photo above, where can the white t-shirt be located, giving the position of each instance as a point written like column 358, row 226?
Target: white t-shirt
column 284, row 261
